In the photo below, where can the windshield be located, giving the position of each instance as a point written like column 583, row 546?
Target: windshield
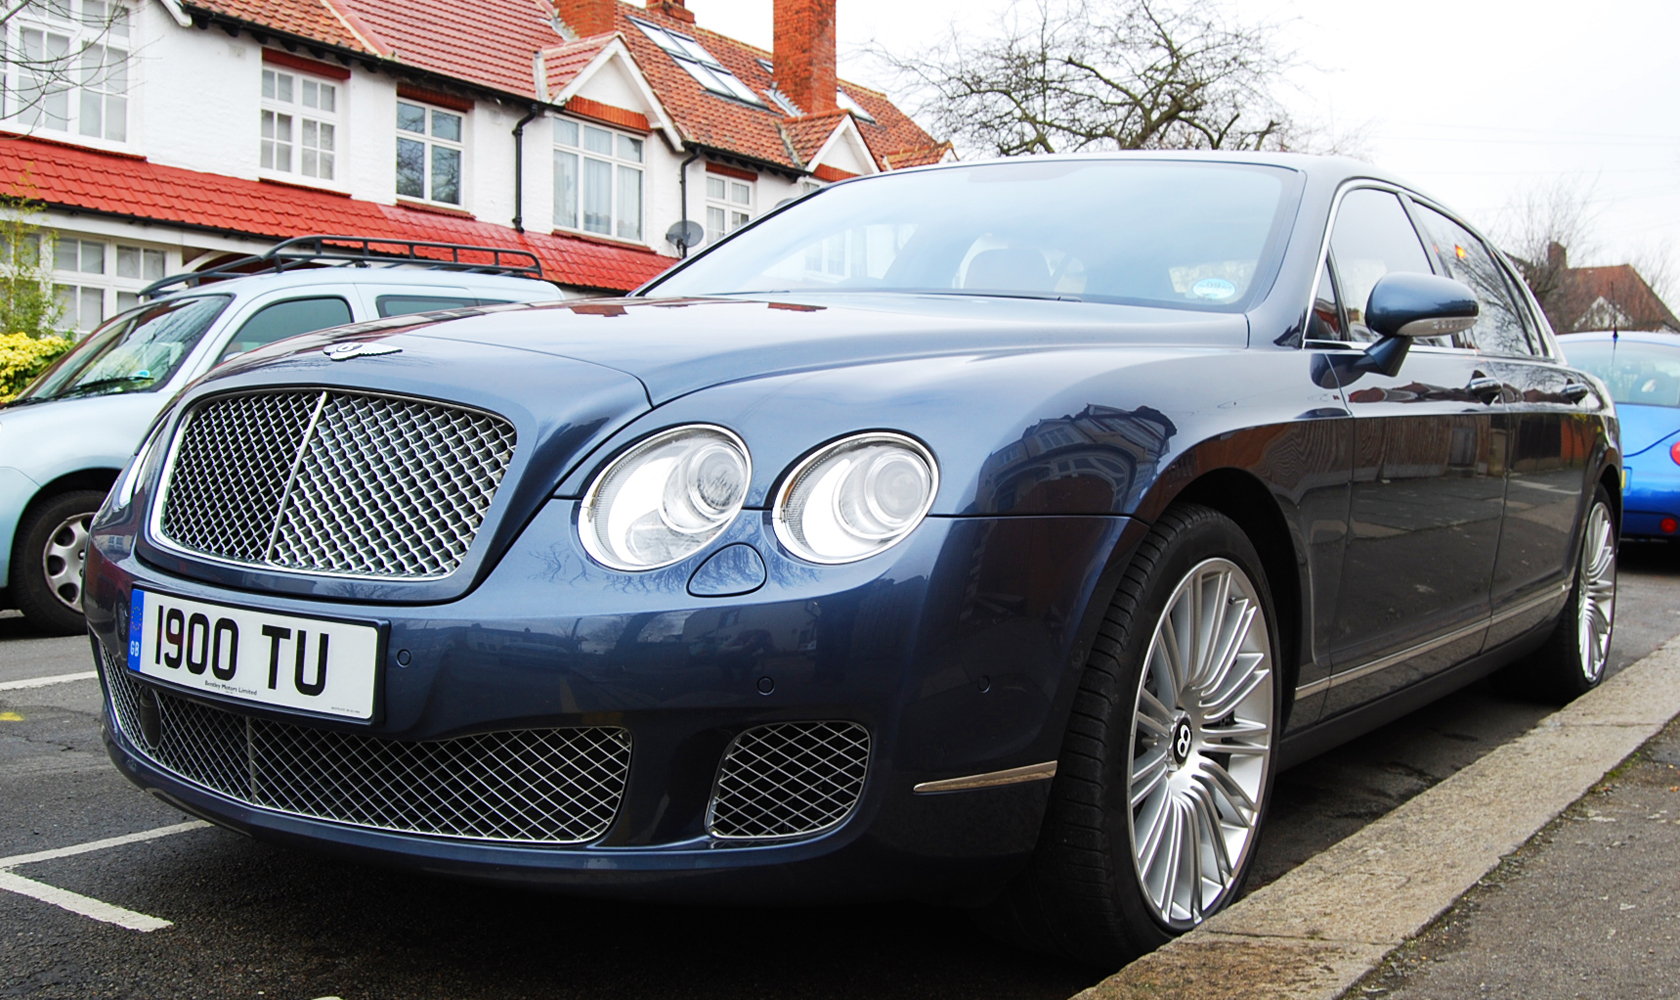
column 138, row 350
column 1643, row 374
column 1180, row 234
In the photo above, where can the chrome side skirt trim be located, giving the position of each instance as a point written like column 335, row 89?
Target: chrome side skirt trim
column 1382, row 663
column 991, row 779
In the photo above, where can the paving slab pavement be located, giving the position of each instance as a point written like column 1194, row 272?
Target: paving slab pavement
column 1590, row 907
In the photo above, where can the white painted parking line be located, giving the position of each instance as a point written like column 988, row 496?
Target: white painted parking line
column 41, row 682
column 75, row 902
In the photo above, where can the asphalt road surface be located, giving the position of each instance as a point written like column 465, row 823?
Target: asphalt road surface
column 251, row 920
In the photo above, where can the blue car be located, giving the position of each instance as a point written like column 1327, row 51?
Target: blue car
column 990, row 533
column 1642, row 371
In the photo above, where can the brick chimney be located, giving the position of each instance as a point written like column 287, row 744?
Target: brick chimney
column 1557, row 258
column 586, row 17
column 674, row 9
column 804, row 54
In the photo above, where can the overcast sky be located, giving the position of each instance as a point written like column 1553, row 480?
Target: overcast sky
column 1476, row 101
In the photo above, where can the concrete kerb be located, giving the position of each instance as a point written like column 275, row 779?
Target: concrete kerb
column 1314, row 932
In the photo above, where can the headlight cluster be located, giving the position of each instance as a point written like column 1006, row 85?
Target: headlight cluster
column 672, row 493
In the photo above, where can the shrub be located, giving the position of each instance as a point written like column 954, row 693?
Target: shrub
column 22, row 357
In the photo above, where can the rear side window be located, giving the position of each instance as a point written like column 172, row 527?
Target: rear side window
column 402, row 305
column 1500, row 329
column 280, row 320
column 1373, row 237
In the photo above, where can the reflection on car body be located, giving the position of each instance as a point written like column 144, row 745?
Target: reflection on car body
column 990, row 533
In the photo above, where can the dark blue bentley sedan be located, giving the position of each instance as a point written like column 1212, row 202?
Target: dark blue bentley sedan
column 991, row 533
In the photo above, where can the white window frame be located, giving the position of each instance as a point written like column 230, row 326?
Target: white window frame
column 579, row 168
column 430, row 141
column 97, row 277
column 296, row 139
column 729, row 206
column 96, row 37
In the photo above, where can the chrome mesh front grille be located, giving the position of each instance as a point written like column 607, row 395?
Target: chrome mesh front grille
column 533, row 786
column 789, row 780
column 328, row 481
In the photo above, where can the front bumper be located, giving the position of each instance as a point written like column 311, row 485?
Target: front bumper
column 957, row 650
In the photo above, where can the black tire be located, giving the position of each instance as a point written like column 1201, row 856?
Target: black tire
column 47, row 545
column 1081, row 895
column 1563, row 670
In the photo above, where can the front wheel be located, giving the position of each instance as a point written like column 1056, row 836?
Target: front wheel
column 47, row 561
column 1166, row 769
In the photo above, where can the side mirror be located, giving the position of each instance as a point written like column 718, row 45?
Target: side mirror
column 1405, row 305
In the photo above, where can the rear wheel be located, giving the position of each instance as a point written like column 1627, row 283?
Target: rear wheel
column 1166, row 769
column 47, row 561
column 1573, row 660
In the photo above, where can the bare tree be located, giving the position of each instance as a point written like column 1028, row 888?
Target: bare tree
column 1539, row 227
column 1067, row 75
column 68, row 63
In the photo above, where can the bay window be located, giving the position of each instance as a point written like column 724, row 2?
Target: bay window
column 597, row 180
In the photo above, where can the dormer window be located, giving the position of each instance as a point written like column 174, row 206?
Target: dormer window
column 597, row 180
column 700, row 64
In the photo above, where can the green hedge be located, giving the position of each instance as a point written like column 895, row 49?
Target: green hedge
column 22, row 357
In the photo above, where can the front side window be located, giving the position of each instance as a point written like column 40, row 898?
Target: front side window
column 1499, row 330
column 1197, row 236
column 299, row 124
column 430, row 144
column 1373, row 237
column 137, row 351
column 729, row 205
column 69, row 68
column 597, row 180
column 279, row 320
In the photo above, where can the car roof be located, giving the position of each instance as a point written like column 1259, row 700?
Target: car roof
column 1638, row 336
column 305, row 277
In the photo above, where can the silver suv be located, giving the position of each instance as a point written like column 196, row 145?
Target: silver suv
column 66, row 437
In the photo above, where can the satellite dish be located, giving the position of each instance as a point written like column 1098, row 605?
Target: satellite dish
column 685, row 234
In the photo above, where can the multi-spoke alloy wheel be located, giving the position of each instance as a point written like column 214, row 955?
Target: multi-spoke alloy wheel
column 1595, row 593
column 63, row 558
column 1201, row 743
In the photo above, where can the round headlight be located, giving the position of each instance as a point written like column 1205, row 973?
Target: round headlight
column 856, row 497
column 665, row 498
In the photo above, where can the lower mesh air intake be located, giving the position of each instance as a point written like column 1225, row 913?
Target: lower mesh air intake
column 789, row 780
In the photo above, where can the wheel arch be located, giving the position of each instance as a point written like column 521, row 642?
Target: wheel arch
column 101, row 479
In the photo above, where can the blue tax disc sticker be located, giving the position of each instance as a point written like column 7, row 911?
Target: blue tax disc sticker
column 1213, row 289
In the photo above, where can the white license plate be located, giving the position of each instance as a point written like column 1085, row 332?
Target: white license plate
column 275, row 660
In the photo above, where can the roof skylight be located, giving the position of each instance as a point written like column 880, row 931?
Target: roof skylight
column 700, row 64
column 853, row 106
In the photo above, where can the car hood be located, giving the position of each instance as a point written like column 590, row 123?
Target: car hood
column 677, row 346
column 1644, row 427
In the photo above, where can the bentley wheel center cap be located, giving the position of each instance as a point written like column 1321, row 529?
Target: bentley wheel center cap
column 1182, row 739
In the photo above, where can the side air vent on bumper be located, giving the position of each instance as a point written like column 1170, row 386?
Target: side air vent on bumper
column 532, row 786
column 332, row 482
column 793, row 779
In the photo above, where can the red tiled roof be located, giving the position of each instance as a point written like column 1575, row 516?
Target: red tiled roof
column 61, row 175
column 1575, row 305
column 490, row 43
column 808, row 134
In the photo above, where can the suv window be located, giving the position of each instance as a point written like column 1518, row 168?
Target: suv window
column 1373, row 237
column 1463, row 257
column 136, row 351
column 280, row 320
column 402, row 305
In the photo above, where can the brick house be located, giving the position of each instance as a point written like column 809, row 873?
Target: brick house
column 581, row 130
column 1615, row 297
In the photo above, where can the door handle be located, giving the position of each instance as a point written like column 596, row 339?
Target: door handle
column 1488, row 390
column 1576, row 391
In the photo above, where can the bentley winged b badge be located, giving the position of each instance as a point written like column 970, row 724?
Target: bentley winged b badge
column 358, row 349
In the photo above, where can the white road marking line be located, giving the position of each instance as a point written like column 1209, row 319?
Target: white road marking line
column 41, row 682
column 100, row 845
column 77, row 903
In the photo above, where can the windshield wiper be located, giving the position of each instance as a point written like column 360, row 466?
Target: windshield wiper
column 99, row 383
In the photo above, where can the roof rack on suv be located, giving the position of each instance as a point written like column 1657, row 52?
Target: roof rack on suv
column 361, row 251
